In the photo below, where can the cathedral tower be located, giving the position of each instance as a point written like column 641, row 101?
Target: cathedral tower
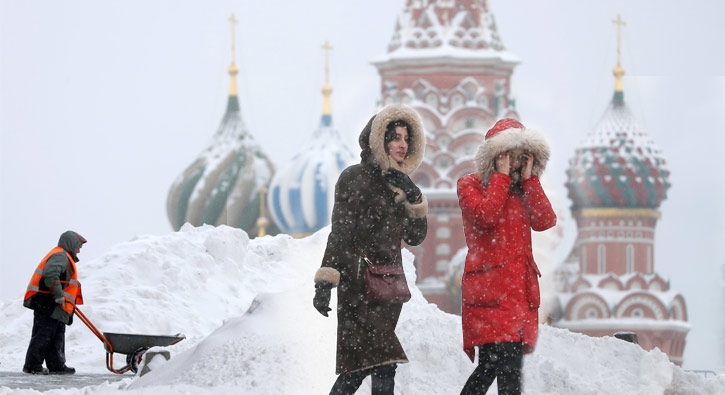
column 303, row 192
column 447, row 61
column 616, row 181
column 227, row 183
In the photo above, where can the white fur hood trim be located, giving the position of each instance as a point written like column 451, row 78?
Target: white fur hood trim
column 416, row 147
column 526, row 139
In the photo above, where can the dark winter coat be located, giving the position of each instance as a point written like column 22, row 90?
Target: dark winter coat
column 500, row 287
column 375, row 217
column 55, row 274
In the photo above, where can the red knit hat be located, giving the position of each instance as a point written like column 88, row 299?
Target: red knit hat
column 503, row 124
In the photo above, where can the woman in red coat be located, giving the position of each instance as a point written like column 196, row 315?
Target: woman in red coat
column 501, row 203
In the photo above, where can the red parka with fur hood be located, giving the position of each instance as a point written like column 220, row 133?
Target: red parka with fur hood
column 500, row 287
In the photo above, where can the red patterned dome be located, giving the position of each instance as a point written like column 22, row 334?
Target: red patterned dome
column 618, row 164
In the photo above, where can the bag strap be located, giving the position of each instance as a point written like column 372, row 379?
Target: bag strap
column 362, row 255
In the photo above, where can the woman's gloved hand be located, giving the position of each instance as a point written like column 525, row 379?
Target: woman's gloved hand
column 322, row 297
column 401, row 180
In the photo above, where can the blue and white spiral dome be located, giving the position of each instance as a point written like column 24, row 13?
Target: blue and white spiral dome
column 302, row 193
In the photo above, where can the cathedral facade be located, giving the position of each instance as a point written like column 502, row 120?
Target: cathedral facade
column 447, row 61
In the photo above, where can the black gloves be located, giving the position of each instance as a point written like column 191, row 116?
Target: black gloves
column 322, row 297
column 401, row 180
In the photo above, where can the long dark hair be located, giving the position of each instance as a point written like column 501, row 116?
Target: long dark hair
column 390, row 130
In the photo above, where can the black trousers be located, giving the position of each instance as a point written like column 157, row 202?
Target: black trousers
column 383, row 381
column 502, row 361
column 47, row 343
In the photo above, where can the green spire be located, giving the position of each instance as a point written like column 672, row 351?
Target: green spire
column 233, row 102
column 618, row 70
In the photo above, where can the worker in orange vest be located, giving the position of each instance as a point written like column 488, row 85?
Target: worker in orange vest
column 52, row 294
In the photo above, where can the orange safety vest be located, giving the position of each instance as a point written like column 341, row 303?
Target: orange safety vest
column 71, row 291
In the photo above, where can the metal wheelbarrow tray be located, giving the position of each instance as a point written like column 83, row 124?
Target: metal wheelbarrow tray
column 133, row 346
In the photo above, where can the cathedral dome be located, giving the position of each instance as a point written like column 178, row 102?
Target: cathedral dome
column 226, row 183
column 302, row 194
column 618, row 164
column 457, row 24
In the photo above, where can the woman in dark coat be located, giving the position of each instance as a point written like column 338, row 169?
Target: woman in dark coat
column 376, row 207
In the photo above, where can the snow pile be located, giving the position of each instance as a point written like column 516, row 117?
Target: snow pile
column 246, row 309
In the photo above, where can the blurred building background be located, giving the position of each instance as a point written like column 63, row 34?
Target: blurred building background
column 447, row 60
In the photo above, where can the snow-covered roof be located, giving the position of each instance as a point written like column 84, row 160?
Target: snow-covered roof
column 459, row 30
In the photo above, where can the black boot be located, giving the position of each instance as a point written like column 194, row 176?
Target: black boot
column 63, row 370
column 38, row 370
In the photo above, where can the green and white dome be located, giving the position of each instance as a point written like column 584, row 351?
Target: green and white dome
column 227, row 183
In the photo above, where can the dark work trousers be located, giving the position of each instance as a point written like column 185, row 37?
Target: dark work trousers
column 47, row 343
column 383, row 381
column 502, row 361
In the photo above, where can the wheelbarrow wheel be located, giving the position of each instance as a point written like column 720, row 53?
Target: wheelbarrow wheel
column 134, row 359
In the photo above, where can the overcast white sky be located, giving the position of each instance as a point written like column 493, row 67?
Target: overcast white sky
column 103, row 105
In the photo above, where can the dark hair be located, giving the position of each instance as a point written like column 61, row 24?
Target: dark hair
column 390, row 129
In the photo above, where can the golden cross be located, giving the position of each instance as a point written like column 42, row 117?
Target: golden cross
column 619, row 22
column 327, row 47
column 233, row 21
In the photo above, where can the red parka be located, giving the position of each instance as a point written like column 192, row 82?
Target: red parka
column 500, row 286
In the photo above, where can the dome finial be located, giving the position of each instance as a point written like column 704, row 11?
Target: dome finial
column 233, row 69
column 619, row 70
column 326, row 88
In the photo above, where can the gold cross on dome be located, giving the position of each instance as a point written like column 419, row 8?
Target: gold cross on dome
column 619, row 22
column 327, row 47
column 233, row 21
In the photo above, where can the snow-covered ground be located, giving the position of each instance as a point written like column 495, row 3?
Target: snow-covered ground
column 245, row 307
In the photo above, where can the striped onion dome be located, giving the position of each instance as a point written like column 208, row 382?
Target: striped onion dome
column 227, row 182
column 302, row 193
column 618, row 164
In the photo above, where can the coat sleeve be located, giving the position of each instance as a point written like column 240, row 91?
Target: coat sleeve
column 338, row 254
column 57, row 264
column 415, row 230
column 541, row 214
column 483, row 206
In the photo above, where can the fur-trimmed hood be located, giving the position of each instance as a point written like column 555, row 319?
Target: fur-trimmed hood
column 372, row 139
column 505, row 135
column 372, row 142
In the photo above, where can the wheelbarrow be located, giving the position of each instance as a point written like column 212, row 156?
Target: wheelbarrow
column 133, row 346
